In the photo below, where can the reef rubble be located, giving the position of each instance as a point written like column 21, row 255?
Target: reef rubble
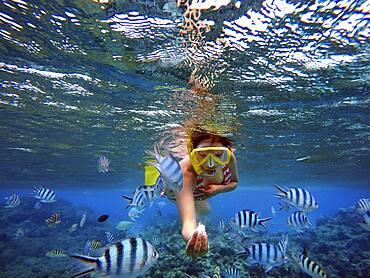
column 337, row 243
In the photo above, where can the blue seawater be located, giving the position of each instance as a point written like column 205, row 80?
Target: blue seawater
column 287, row 81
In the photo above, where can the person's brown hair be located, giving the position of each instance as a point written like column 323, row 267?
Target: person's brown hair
column 197, row 136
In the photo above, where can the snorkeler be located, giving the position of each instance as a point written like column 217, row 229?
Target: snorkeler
column 209, row 168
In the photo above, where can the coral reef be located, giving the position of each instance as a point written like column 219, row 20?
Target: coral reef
column 337, row 243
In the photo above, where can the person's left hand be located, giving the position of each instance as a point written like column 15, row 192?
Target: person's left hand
column 211, row 189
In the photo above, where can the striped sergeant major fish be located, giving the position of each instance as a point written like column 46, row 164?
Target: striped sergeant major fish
column 53, row 219
column 143, row 196
column 297, row 197
column 363, row 205
column 310, row 267
column 266, row 254
column 126, row 258
column 56, row 253
column 12, row 201
column 298, row 220
column 220, row 224
column 231, row 272
column 169, row 168
column 110, row 237
column 44, row 194
column 248, row 219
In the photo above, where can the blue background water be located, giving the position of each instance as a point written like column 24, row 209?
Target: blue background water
column 259, row 199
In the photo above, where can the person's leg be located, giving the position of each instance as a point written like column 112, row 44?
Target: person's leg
column 202, row 208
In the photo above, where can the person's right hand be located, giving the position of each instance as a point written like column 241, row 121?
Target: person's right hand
column 198, row 243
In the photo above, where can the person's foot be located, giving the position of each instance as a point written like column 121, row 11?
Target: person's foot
column 198, row 243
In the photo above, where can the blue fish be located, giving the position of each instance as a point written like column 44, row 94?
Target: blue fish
column 169, row 168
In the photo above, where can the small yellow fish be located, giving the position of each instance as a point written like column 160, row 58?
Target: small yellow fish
column 54, row 219
column 95, row 244
column 91, row 245
column 157, row 88
column 56, row 253
column 216, row 272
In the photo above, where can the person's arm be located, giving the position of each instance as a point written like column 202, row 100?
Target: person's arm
column 185, row 201
column 196, row 237
column 228, row 187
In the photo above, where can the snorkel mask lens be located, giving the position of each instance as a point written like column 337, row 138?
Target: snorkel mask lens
column 212, row 156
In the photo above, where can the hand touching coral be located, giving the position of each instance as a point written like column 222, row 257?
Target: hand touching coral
column 198, row 243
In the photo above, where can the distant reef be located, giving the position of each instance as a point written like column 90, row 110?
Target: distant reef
column 337, row 243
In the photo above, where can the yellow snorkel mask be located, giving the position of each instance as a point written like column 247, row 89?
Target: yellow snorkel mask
column 209, row 156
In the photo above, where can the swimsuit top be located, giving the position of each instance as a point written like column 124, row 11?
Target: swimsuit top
column 227, row 177
column 199, row 195
column 200, row 182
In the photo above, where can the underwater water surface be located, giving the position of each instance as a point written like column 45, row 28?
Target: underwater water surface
column 88, row 86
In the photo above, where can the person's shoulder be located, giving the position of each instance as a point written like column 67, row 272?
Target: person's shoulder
column 185, row 161
column 187, row 167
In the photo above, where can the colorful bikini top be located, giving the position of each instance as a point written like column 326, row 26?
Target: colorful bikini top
column 227, row 176
column 199, row 195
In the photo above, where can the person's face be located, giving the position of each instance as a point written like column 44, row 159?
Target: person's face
column 210, row 165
